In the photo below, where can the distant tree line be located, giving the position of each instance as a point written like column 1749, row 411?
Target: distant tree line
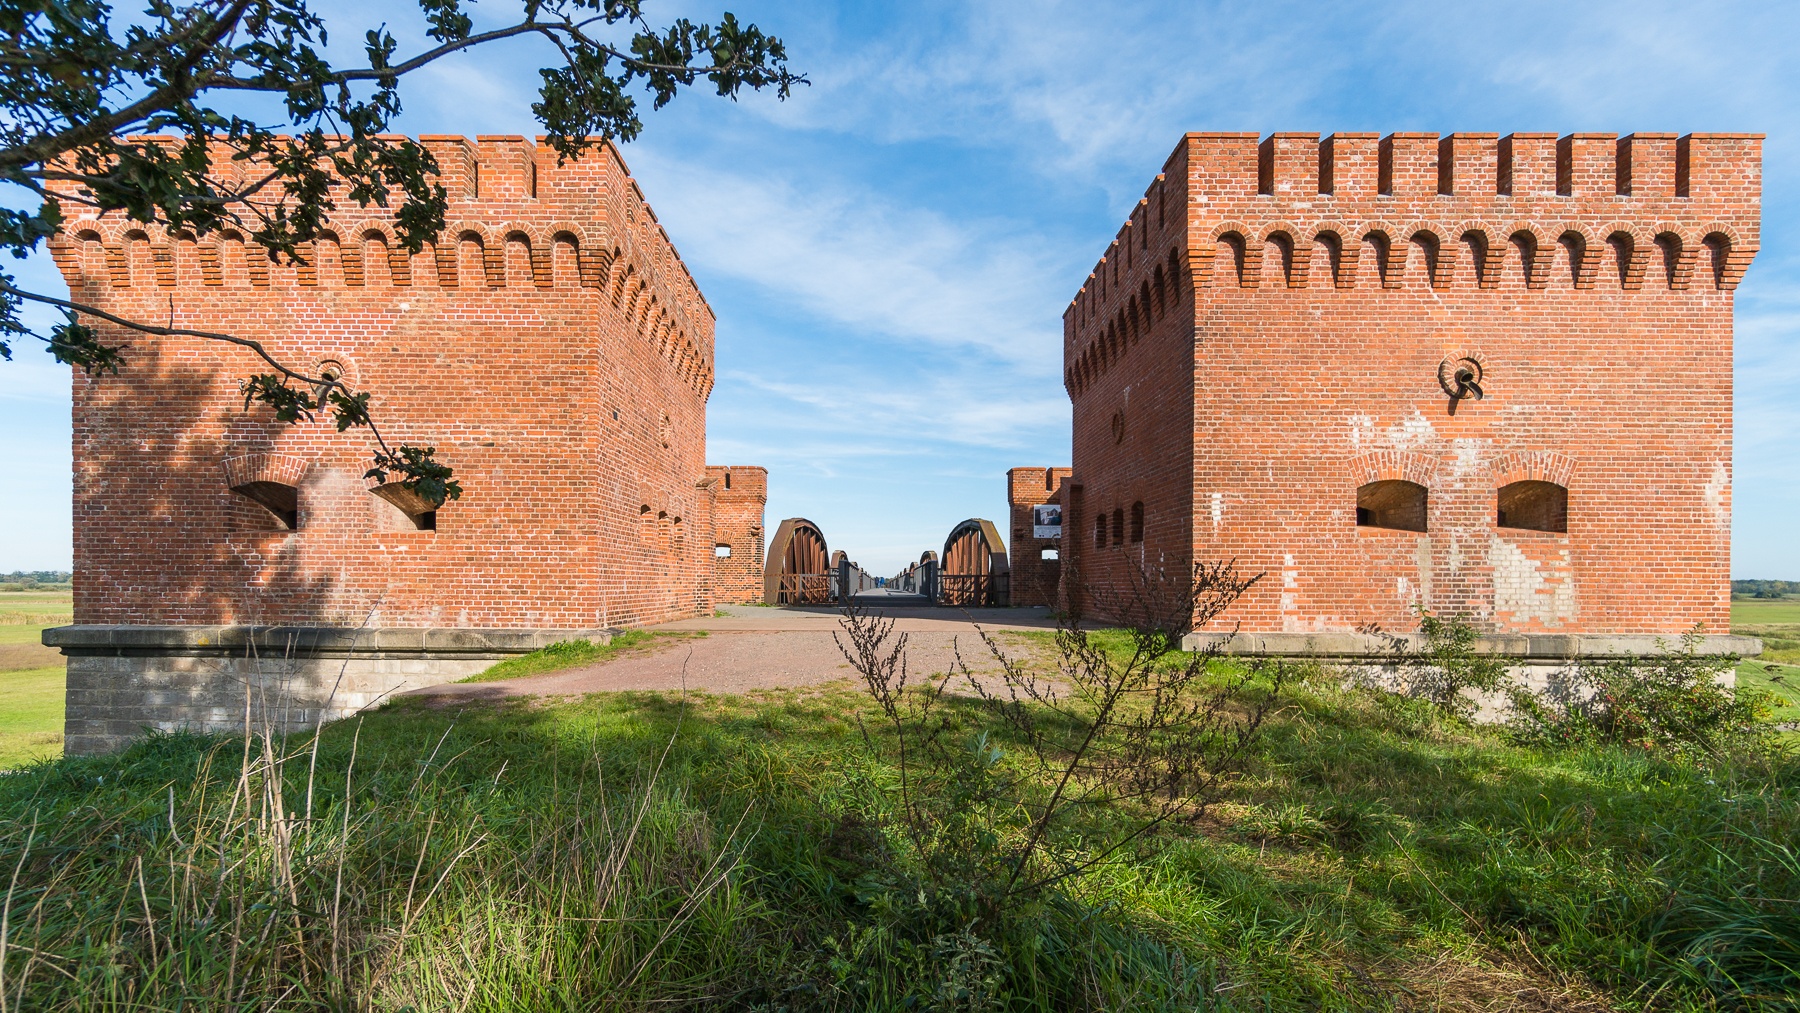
column 33, row 578
column 1766, row 588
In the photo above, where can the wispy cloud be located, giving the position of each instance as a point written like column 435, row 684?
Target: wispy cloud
column 846, row 256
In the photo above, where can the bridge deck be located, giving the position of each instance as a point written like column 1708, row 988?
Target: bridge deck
column 910, row 613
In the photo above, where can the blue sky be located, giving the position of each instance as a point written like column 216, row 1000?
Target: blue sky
column 890, row 252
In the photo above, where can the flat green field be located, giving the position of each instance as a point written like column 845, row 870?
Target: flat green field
column 1762, row 612
column 31, row 677
column 1777, row 669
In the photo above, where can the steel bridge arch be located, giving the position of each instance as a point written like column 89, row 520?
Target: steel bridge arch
column 797, row 570
column 974, row 569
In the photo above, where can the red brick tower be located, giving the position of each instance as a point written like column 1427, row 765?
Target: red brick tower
column 1277, row 361
column 1036, row 562
column 739, row 494
column 550, row 344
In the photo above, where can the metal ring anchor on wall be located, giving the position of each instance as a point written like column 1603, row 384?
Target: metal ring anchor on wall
column 1461, row 378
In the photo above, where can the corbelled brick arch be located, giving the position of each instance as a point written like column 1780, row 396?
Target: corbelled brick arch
column 1299, row 407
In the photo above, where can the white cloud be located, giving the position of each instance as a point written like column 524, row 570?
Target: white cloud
column 957, row 409
column 866, row 265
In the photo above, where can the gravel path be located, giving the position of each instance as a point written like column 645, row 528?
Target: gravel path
column 760, row 648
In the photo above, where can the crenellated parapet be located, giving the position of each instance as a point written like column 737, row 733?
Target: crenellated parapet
column 1478, row 213
column 518, row 223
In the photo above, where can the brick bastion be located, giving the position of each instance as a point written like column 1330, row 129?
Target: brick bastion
column 1485, row 376
column 549, row 343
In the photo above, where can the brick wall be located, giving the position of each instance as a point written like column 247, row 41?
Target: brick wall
column 1034, row 579
column 551, row 345
column 739, row 492
column 1266, row 336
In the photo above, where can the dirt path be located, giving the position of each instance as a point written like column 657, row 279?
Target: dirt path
column 763, row 648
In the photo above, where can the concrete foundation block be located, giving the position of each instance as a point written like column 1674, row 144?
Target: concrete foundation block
column 124, row 679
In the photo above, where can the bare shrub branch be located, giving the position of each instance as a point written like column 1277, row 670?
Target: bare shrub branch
column 1127, row 734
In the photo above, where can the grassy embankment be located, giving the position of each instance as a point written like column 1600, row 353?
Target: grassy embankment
column 31, row 676
column 644, row 851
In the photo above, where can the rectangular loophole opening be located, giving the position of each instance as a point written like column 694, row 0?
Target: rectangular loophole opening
column 722, row 551
column 1394, row 504
column 1533, row 506
column 400, row 509
column 280, row 500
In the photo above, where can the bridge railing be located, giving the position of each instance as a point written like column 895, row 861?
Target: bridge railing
column 805, row 589
column 968, row 589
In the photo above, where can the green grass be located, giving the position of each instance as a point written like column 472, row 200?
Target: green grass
column 1757, row 613
column 18, row 633
column 31, row 677
column 1777, row 624
column 573, row 653
column 31, row 721
column 522, row 856
column 1781, row 682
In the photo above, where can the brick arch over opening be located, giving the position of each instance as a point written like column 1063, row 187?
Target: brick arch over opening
column 270, row 480
column 1582, row 247
column 1484, row 251
column 1438, row 250
column 1296, row 246
column 395, row 266
column 1532, row 466
column 1736, row 251
column 1634, row 244
column 246, row 468
column 1348, row 248
column 1386, row 243
column 1389, row 466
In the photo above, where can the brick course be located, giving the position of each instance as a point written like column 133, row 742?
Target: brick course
column 1266, row 335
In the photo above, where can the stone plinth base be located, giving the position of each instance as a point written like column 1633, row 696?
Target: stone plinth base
column 1558, row 649
column 126, row 679
column 1540, row 661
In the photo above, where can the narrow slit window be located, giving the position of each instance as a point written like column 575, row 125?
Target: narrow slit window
column 1394, row 504
column 1534, row 506
column 1100, row 532
column 1137, row 522
column 1118, row 532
